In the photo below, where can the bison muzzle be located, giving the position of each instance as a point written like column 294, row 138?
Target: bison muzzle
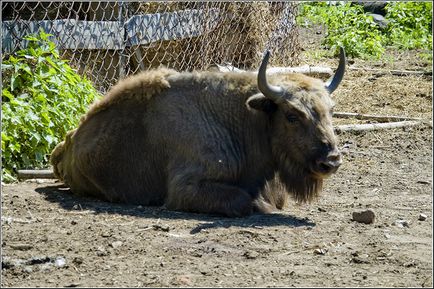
column 208, row 142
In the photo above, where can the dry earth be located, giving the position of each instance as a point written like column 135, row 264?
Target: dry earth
column 51, row 238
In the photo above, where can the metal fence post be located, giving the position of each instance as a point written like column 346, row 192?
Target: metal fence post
column 122, row 56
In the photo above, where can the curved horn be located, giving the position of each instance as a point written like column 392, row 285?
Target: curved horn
column 268, row 90
column 333, row 83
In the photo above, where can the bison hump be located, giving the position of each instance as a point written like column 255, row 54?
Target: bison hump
column 138, row 88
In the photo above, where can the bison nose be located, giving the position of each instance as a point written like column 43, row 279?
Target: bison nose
column 331, row 163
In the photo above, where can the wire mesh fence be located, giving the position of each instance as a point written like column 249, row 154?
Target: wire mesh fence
column 109, row 40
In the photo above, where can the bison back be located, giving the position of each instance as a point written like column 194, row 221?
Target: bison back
column 114, row 158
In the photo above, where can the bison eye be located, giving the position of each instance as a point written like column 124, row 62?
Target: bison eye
column 291, row 118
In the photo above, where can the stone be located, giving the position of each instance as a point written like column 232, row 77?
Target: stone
column 320, row 251
column 116, row 244
column 402, row 223
column 365, row 217
column 60, row 262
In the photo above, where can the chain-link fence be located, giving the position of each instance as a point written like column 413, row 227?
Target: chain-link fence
column 109, row 40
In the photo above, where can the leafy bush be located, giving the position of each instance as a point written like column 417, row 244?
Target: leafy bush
column 42, row 99
column 410, row 24
column 348, row 26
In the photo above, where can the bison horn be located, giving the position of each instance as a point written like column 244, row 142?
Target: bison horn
column 268, row 90
column 333, row 83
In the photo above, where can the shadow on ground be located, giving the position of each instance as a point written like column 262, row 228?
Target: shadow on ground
column 61, row 195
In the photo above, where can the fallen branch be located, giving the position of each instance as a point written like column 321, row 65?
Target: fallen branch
column 376, row 126
column 305, row 69
column 36, row 174
column 10, row 220
column 393, row 72
column 373, row 116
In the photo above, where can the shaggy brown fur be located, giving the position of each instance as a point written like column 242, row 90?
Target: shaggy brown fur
column 202, row 142
column 139, row 88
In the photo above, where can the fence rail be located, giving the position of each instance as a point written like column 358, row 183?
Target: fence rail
column 137, row 30
column 109, row 40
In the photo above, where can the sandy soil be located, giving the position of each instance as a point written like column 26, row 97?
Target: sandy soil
column 51, row 238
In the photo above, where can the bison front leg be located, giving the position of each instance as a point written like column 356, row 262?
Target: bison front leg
column 190, row 193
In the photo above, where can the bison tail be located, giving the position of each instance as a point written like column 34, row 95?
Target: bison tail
column 56, row 160
column 58, row 154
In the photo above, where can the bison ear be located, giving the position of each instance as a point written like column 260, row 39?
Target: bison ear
column 260, row 102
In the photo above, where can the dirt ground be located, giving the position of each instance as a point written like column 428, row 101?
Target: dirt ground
column 53, row 239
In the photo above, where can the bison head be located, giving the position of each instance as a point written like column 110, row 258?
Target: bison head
column 303, row 141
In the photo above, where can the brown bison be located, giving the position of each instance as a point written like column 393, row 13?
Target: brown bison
column 210, row 142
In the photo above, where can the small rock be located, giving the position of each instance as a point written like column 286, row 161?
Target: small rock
column 106, row 234
column 78, row 260
column 412, row 263
column 183, row 279
column 320, row 251
column 73, row 222
column 360, row 259
column 402, row 223
column 163, row 228
column 100, row 251
column 365, row 217
column 7, row 220
column 21, row 247
column 28, row 269
column 60, row 262
column 251, row 254
column 205, row 273
column 73, row 285
column 422, row 217
column 116, row 244
column 379, row 20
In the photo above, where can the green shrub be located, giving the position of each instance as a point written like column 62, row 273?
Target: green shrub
column 410, row 27
column 347, row 26
column 410, row 24
column 42, row 99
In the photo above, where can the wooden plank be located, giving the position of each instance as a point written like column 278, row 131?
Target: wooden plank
column 318, row 71
column 376, row 126
column 67, row 34
column 305, row 69
column 35, row 174
column 148, row 28
column 376, row 117
column 379, row 72
column 140, row 29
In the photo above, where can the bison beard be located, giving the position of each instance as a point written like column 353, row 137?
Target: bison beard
column 202, row 142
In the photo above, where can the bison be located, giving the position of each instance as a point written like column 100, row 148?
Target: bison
column 206, row 142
